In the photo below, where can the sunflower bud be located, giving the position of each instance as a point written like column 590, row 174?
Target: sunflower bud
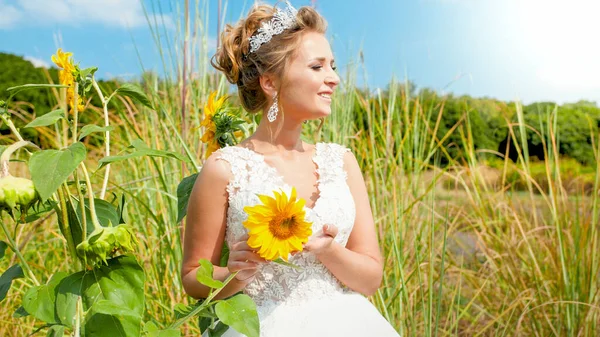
column 15, row 191
column 106, row 242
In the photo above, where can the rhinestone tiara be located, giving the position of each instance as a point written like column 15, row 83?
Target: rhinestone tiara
column 282, row 20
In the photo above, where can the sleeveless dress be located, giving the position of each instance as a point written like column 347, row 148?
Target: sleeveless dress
column 309, row 301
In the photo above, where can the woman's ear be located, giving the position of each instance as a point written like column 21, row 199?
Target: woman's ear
column 269, row 84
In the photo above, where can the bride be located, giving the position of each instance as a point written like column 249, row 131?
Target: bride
column 283, row 67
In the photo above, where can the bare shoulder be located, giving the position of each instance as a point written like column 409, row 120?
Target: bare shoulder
column 350, row 162
column 216, row 168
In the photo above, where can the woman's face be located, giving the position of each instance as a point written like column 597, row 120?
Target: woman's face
column 310, row 80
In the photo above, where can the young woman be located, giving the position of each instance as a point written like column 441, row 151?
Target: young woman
column 283, row 67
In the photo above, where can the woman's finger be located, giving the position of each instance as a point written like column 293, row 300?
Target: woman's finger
column 245, row 256
column 241, row 245
column 330, row 230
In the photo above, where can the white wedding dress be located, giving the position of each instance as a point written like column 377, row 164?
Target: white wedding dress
column 309, row 301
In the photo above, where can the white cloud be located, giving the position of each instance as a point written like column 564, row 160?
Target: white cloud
column 119, row 13
column 38, row 63
column 9, row 15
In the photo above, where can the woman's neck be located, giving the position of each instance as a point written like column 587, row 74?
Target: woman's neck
column 286, row 139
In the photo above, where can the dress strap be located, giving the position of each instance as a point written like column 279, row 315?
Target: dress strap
column 238, row 159
column 330, row 162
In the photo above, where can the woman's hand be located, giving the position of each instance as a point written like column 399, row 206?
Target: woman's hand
column 243, row 259
column 320, row 244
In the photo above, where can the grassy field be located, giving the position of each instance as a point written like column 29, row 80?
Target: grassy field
column 466, row 253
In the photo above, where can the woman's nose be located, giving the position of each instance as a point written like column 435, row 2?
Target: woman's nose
column 332, row 78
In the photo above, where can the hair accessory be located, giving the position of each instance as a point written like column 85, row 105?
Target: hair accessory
column 282, row 19
column 272, row 114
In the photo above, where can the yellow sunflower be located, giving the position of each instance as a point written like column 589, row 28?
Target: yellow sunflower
column 66, row 77
column 211, row 107
column 277, row 227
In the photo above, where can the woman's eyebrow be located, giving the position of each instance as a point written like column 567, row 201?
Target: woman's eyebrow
column 322, row 59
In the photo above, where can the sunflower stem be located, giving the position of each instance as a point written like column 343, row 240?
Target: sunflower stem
column 90, row 198
column 106, row 133
column 204, row 304
column 13, row 245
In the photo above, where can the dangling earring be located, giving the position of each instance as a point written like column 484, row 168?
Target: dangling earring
column 272, row 114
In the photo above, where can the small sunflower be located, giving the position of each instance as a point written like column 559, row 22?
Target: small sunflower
column 66, row 76
column 221, row 128
column 277, row 227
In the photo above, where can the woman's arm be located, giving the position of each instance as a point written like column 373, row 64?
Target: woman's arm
column 359, row 265
column 205, row 229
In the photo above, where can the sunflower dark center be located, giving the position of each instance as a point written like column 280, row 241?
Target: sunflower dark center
column 283, row 227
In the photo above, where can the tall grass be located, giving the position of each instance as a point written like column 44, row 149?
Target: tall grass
column 477, row 260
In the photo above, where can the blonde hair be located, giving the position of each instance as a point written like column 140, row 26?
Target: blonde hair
column 244, row 69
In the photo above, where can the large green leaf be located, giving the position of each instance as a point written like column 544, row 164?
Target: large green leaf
column 7, row 277
column 152, row 330
column 239, row 312
column 135, row 92
column 120, row 284
column 184, row 190
column 56, row 331
column 86, row 130
column 47, row 119
column 50, row 168
column 204, row 275
column 39, row 300
column 100, row 320
column 140, row 150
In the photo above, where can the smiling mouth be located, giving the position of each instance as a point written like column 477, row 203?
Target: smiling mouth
column 325, row 97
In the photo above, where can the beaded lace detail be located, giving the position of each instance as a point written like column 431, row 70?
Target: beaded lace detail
column 275, row 283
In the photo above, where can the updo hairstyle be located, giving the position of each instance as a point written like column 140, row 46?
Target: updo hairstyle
column 244, row 69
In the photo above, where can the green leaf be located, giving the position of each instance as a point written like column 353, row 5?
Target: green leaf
column 135, row 92
column 56, row 331
column 184, row 190
column 106, row 214
column 105, row 211
column 120, row 285
column 3, row 247
column 20, row 312
column 224, row 255
column 204, row 275
column 35, row 212
column 86, row 130
column 100, row 320
column 239, row 312
column 218, row 330
column 50, row 168
column 39, row 300
column 141, row 150
column 84, row 73
column 7, row 277
column 152, row 330
column 34, row 86
column 47, row 119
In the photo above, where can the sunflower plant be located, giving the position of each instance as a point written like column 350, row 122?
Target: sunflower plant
column 97, row 239
column 277, row 226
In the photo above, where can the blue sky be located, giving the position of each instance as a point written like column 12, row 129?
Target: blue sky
column 531, row 50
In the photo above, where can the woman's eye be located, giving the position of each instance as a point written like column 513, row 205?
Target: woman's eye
column 317, row 67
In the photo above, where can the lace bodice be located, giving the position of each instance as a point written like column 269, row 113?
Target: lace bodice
column 275, row 283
